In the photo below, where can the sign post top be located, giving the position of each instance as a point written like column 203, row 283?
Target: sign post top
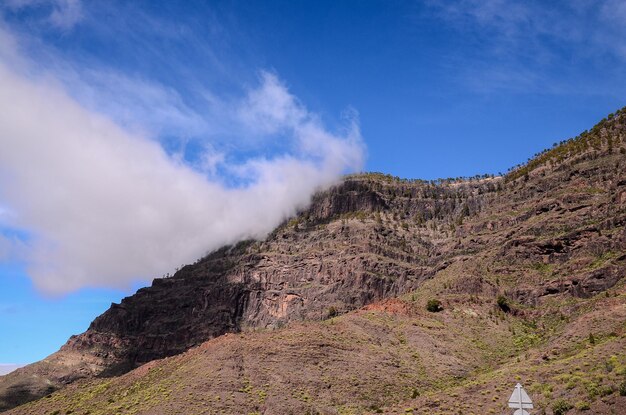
column 520, row 400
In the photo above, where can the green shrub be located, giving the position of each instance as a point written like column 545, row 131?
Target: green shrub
column 582, row 406
column 434, row 305
column 605, row 390
column 561, row 407
column 332, row 312
column 376, row 409
column 622, row 388
column 592, row 339
column 503, row 303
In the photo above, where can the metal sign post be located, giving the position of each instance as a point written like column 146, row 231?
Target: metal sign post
column 520, row 401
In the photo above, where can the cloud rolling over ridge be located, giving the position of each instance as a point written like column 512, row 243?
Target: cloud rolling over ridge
column 104, row 206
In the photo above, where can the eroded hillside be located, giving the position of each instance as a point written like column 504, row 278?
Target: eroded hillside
column 331, row 307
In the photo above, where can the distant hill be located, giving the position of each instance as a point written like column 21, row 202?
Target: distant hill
column 8, row 368
column 384, row 296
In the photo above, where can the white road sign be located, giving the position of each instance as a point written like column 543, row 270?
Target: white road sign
column 520, row 400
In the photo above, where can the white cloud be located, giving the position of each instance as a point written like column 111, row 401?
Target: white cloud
column 62, row 14
column 66, row 13
column 210, row 160
column 133, row 102
column 271, row 108
column 104, row 206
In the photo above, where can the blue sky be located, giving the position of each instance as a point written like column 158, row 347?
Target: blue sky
column 138, row 135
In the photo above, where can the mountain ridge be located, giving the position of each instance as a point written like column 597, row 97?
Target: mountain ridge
column 373, row 238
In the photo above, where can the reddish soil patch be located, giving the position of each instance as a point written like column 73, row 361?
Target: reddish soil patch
column 391, row 306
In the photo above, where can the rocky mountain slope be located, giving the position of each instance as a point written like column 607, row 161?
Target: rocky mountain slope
column 523, row 276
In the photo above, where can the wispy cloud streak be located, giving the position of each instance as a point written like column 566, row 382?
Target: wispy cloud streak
column 535, row 46
column 62, row 14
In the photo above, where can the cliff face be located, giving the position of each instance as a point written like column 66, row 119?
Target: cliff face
column 554, row 228
column 331, row 259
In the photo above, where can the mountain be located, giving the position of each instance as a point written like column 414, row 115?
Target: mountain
column 384, row 296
